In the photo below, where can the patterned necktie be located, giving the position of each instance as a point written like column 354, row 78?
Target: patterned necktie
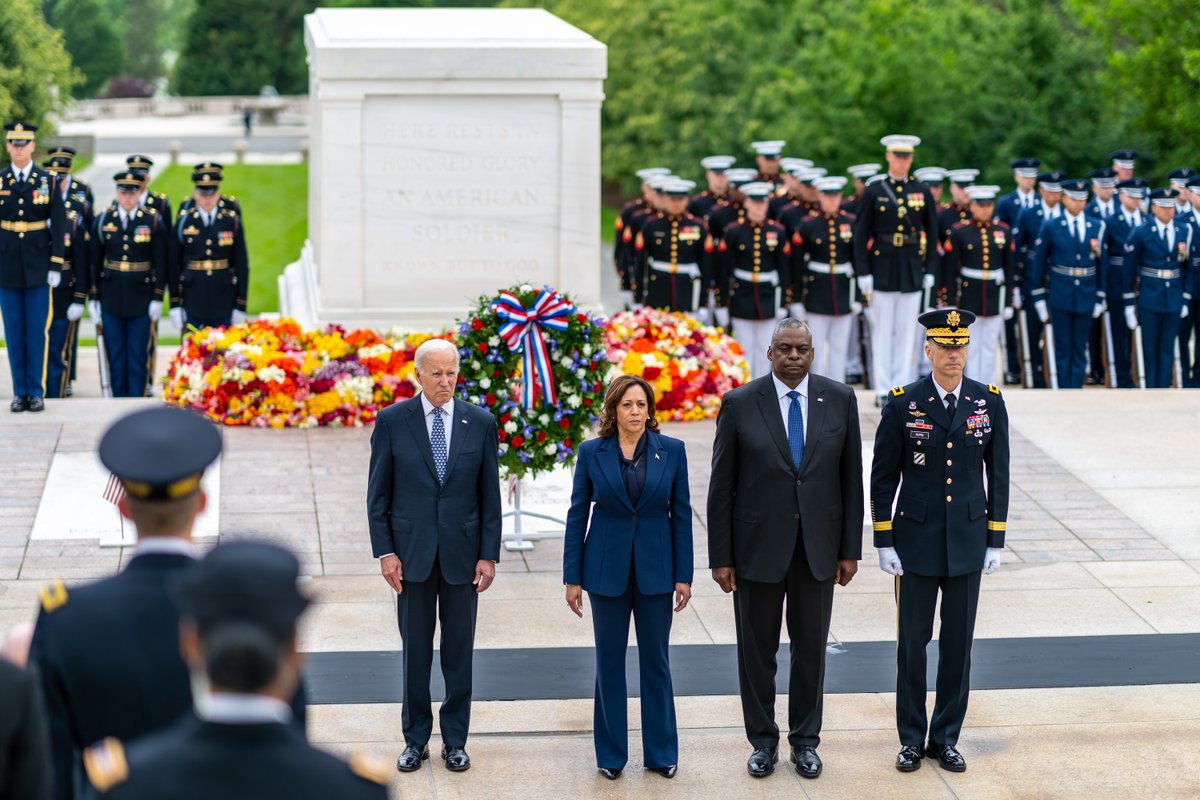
column 438, row 441
column 795, row 428
column 951, row 404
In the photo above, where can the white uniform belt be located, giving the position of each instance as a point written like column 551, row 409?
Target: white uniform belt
column 996, row 275
column 771, row 277
column 1164, row 274
column 831, row 269
column 692, row 270
column 1074, row 272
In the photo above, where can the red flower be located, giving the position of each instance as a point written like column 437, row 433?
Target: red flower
column 567, row 443
column 477, row 324
column 587, row 401
column 490, row 398
column 541, row 436
column 581, row 317
column 564, row 423
column 505, row 419
column 517, row 441
column 502, row 434
column 481, row 347
column 650, row 373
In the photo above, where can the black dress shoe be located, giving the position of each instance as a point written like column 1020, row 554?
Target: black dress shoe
column 762, row 762
column 19, row 404
column 909, row 759
column 808, row 763
column 611, row 774
column 36, row 404
column 410, row 760
column 667, row 772
column 456, row 758
column 947, row 757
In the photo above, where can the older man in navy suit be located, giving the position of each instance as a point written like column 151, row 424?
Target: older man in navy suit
column 433, row 500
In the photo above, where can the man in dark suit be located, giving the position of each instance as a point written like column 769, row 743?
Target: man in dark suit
column 24, row 749
column 943, row 441
column 785, row 515
column 433, row 501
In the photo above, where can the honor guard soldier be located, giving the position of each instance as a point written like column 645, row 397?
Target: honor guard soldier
column 1127, row 218
column 718, row 186
column 239, row 608
column 31, row 257
column 1010, row 206
column 1025, row 234
column 1102, row 206
column 623, row 239
column 108, row 652
column 129, row 279
column 756, row 256
column 979, row 259
column 943, row 441
column 861, row 173
column 674, row 251
column 657, row 204
column 209, row 268
column 1178, row 178
column 68, row 298
column 934, row 178
column 1067, row 278
column 793, row 211
column 1123, row 163
column 792, row 195
column 950, row 214
column 895, row 239
column 1104, row 187
column 140, row 165
column 823, row 292
column 1190, row 360
column 766, row 155
column 733, row 210
column 1158, row 261
column 224, row 201
column 76, row 191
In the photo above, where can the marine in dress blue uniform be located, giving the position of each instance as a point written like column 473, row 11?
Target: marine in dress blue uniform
column 1128, row 216
column 861, row 174
column 1025, row 234
column 622, row 239
column 766, row 155
column 1158, row 260
column 943, row 442
column 674, row 254
column 718, row 186
column 129, row 280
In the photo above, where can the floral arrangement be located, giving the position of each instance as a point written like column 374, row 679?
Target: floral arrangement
column 691, row 366
column 538, row 364
column 272, row 373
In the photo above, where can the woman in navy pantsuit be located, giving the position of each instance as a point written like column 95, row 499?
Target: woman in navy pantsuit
column 636, row 554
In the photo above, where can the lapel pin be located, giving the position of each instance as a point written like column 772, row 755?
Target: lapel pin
column 463, row 421
column 656, row 457
column 820, row 399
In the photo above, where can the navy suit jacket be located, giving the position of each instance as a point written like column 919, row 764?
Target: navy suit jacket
column 655, row 536
column 412, row 515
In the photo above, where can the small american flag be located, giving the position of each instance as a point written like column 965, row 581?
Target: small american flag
column 114, row 491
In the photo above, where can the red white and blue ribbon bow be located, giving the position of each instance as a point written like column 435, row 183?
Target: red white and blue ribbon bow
column 521, row 330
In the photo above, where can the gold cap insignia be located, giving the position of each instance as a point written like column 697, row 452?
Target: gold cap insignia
column 952, row 319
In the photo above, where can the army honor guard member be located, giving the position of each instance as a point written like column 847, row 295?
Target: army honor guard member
column 943, row 442
column 978, row 260
column 224, row 201
column 209, row 269
column 68, row 298
column 673, row 255
column 895, row 239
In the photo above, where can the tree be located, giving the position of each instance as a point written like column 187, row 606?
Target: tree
column 35, row 70
column 92, row 41
column 143, row 39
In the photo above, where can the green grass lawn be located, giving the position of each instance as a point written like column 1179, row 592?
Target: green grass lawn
column 274, row 200
column 608, row 218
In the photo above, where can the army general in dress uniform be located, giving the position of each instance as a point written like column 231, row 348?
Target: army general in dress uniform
column 943, row 442
column 674, row 254
column 209, row 269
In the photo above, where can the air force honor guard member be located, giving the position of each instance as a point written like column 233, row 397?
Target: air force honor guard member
column 1158, row 258
column 239, row 609
column 31, row 259
column 1070, row 257
column 209, row 269
column 1011, row 205
column 1127, row 218
column 943, row 441
column 673, row 254
column 895, row 241
column 108, row 652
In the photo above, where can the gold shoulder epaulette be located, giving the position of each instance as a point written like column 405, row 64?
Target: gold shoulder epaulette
column 899, row 390
column 53, row 596
column 105, row 764
column 993, row 389
column 370, row 767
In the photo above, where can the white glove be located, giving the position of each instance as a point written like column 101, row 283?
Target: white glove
column 889, row 561
column 927, row 281
column 781, row 312
column 238, row 317
column 53, row 278
column 1042, row 312
column 155, row 310
column 991, row 560
column 704, row 316
column 796, row 310
column 176, row 315
column 866, row 285
column 1099, row 309
column 75, row 312
column 856, row 307
column 1016, row 295
column 1130, row 317
column 722, row 315
column 1183, row 312
column 94, row 310
column 1008, row 312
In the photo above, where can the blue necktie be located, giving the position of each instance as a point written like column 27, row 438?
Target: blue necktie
column 438, row 442
column 795, row 428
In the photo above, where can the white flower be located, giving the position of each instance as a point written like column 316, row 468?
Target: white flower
column 475, row 365
column 494, row 341
column 551, row 449
column 587, row 350
column 581, row 372
column 360, row 388
column 271, row 373
column 485, row 383
column 574, row 401
column 502, row 449
column 649, row 360
column 565, row 361
column 524, row 288
column 510, row 427
column 544, row 419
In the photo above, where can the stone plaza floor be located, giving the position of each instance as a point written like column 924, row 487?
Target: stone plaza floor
column 1102, row 546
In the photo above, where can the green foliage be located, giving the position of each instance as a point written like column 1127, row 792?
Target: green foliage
column 143, row 39
column 91, row 39
column 35, row 70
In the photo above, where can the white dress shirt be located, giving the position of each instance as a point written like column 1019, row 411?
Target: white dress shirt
column 1026, row 199
column 1166, row 233
column 446, row 420
column 164, row 545
column 1106, row 209
column 243, row 709
column 1051, row 212
column 942, row 393
column 785, row 402
column 1077, row 225
column 21, row 174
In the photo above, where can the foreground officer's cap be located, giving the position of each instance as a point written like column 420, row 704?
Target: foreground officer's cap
column 1103, row 178
column 982, row 193
column 741, row 175
column 947, row 326
column 1164, row 197
column 1180, row 176
column 139, row 162
column 1052, row 180
column 963, row 177
column 59, row 165
column 718, row 163
column 864, row 171
column 1123, row 158
column 1076, row 189
column 128, row 179
column 649, row 172
column 19, row 134
column 1026, row 167
column 770, row 148
column 248, row 582
column 900, row 143
column 677, row 187
column 206, row 181
column 757, row 190
column 1136, row 187
column 160, row 453
column 930, row 174
column 831, row 185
